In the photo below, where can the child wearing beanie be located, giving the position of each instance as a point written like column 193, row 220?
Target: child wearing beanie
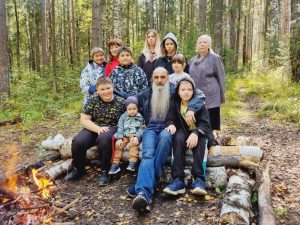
column 130, row 130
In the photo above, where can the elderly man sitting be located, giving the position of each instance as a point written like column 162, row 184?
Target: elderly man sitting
column 156, row 141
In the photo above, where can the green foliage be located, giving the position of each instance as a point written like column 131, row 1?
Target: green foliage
column 32, row 98
column 254, row 198
column 279, row 97
column 218, row 190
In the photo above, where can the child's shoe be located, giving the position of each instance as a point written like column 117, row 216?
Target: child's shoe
column 115, row 168
column 131, row 166
column 175, row 187
column 198, row 187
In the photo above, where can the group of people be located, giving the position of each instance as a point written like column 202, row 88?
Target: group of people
column 162, row 102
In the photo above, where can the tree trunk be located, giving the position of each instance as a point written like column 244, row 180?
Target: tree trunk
column 151, row 14
column 295, row 40
column 73, row 31
column 202, row 16
column 96, row 24
column 31, row 59
column 116, row 18
column 37, row 39
column 128, row 23
column 233, row 34
column 238, row 32
column 44, row 33
column 69, row 24
column 285, row 19
column 4, row 62
column 218, row 28
column 54, row 91
column 17, row 34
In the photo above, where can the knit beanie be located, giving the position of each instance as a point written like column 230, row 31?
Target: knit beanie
column 131, row 100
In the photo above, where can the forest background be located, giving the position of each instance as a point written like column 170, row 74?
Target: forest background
column 45, row 44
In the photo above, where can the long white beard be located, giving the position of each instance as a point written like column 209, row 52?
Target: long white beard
column 160, row 101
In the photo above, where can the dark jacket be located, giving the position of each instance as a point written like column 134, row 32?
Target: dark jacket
column 128, row 80
column 166, row 61
column 202, row 116
column 147, row 67
column 144, row 102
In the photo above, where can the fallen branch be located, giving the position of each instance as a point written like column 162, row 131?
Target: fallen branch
column 266, row 213
column 64, row 209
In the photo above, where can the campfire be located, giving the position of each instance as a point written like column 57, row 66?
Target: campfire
column 24, row 200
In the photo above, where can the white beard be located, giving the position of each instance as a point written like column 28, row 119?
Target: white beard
column 160, row 101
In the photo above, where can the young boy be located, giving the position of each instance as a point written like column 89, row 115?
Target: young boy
column 178, row 65
column 194, row 136
column 129, row 130
column 128, row 78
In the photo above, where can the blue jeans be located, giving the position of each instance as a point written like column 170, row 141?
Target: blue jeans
column 156, row 146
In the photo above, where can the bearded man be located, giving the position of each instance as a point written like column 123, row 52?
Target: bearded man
column 156, row 141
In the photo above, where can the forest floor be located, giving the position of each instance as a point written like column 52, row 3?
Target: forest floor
column 110, row 205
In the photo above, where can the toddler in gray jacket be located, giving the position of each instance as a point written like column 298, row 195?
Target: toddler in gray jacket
column 130, row 130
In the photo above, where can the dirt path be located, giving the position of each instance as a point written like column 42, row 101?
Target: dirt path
column 110, row 205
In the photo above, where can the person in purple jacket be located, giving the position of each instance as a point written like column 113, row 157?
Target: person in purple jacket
column 207, row 70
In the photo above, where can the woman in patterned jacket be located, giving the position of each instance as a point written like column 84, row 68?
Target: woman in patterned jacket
column 93, row 70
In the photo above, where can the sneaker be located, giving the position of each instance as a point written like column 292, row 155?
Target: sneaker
column 141, row 202
column 115, row 168
column 131, row 191
column 131, row 166
column 175, row 187
column 198, row 187
column 74, row 175
column 103, row 179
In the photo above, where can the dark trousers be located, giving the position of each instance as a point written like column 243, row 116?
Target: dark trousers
column 179, row 152
column 87, row 139
column 215, row 118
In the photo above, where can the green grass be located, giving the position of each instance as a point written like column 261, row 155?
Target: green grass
column 31, row 95
column 279, row 98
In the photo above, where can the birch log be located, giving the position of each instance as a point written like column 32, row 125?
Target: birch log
column 58, row 170
column 266, row 213
column 236, row 204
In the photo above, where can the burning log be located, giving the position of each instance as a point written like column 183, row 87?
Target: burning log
column 236, row 205
column 266, row 213
column 41, row 163
column 59, row 169
column 7, row 193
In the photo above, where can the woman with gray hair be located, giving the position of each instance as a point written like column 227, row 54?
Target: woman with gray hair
column 207, row 70
column 93, row 70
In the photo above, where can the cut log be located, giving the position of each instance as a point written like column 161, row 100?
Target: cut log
column 233, row 156
column 58, row 170
column 237, row 200
column 53, row 143
column 266, row 213
column 242, row 140
column 252, row 152
column 216, row 177
column 41, row 163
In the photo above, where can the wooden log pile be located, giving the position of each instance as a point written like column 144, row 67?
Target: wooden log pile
column 236, row 205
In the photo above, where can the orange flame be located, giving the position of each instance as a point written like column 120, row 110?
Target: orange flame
column 11, row 184
column 42, row 184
